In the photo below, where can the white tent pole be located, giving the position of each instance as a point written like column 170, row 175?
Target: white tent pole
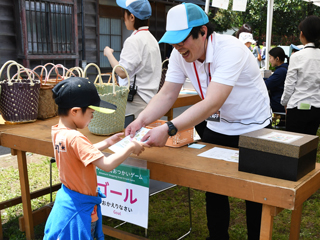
column 206, row 9
column 269, row 31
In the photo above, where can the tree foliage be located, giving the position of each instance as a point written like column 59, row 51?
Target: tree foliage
column 287, row 14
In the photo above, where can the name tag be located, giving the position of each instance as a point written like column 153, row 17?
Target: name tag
column 214, row 117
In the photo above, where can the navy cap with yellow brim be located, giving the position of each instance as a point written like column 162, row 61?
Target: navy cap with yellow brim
column 103, row 109
column 80, row 92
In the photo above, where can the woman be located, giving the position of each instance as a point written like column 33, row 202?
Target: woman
column 244, row 28
column 140, row 55
column 246, row 39
column 301, row 94
column 275, row 83
column 256, row 52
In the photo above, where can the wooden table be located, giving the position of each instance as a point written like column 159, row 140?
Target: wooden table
column 186, row 170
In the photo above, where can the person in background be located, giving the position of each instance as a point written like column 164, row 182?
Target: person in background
column 140, row 56
column 244, row 28
column 294, row 48
column 256, row 52
column 275, row 83
column 76, row 213
column 246, row 39
column 263, row 54
column 301, row 95
column 229, row 87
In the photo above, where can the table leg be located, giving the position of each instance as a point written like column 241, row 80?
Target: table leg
column 295, row 223
column 169, row 114
column 1, row 233
column 266, row 222
column 25, row 193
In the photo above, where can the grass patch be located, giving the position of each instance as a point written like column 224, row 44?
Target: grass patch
column 168, row 211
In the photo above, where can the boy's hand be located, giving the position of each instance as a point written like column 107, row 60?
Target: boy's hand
column 114, row 138
column 137, row 147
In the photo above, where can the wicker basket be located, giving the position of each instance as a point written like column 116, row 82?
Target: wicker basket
column 19, row 97
column 106, row 124
column 180, row 139
column 47, row 107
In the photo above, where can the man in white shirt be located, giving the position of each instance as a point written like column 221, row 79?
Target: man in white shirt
column 221, row 70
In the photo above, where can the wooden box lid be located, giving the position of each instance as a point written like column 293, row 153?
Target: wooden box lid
column 279, row 142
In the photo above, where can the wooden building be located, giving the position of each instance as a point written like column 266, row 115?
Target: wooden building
column 70, row 32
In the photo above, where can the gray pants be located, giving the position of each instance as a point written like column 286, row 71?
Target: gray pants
column 136, row 106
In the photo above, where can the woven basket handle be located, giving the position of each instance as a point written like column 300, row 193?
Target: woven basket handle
column 57, row 73
column 43, row 79
column 103, row 74
column 113, row 77
column 99, row 72
column 164, row 62
column 25, row 70
column 64, row 74
column 77, row 69
column 5, row 64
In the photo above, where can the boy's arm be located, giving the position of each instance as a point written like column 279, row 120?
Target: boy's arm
column 108, row 141
column 109, row 163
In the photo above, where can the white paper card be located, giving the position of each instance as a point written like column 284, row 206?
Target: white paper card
column 280, row 137
column 119, row 146
column 220, row 4
column 221, row 153
column 239, row 5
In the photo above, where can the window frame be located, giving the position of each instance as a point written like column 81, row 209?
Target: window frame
column 24, row 53
column 111, row 12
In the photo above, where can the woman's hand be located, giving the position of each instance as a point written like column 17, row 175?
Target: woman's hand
column 108, row 51
column 133, row 127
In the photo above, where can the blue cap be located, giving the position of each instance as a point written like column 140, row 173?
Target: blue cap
column 180, row 21
column 139, row 8
column 296, row 48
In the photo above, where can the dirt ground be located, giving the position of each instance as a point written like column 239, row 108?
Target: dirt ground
column 9, row 160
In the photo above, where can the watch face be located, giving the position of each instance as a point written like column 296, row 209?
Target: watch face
column 172, row 132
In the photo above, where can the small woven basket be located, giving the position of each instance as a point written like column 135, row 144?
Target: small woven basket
column 19, row 97
column 106, row 124
column 47, row 107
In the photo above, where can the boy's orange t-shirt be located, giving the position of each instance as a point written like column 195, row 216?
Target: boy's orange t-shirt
column 74, row 155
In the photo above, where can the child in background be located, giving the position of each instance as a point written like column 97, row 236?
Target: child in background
column 76, row 213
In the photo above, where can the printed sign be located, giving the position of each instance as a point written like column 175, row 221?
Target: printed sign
column 127, row 194
column 239, row 5
column 220, row 4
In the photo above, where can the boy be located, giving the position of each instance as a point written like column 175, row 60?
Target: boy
column 76, row 213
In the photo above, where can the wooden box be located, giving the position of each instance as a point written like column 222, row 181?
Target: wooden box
column 279, row 154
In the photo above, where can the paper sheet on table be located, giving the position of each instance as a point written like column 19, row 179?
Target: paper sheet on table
column 119, row 146
column 221, row 153
column 188, row 91
column 280, row 137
